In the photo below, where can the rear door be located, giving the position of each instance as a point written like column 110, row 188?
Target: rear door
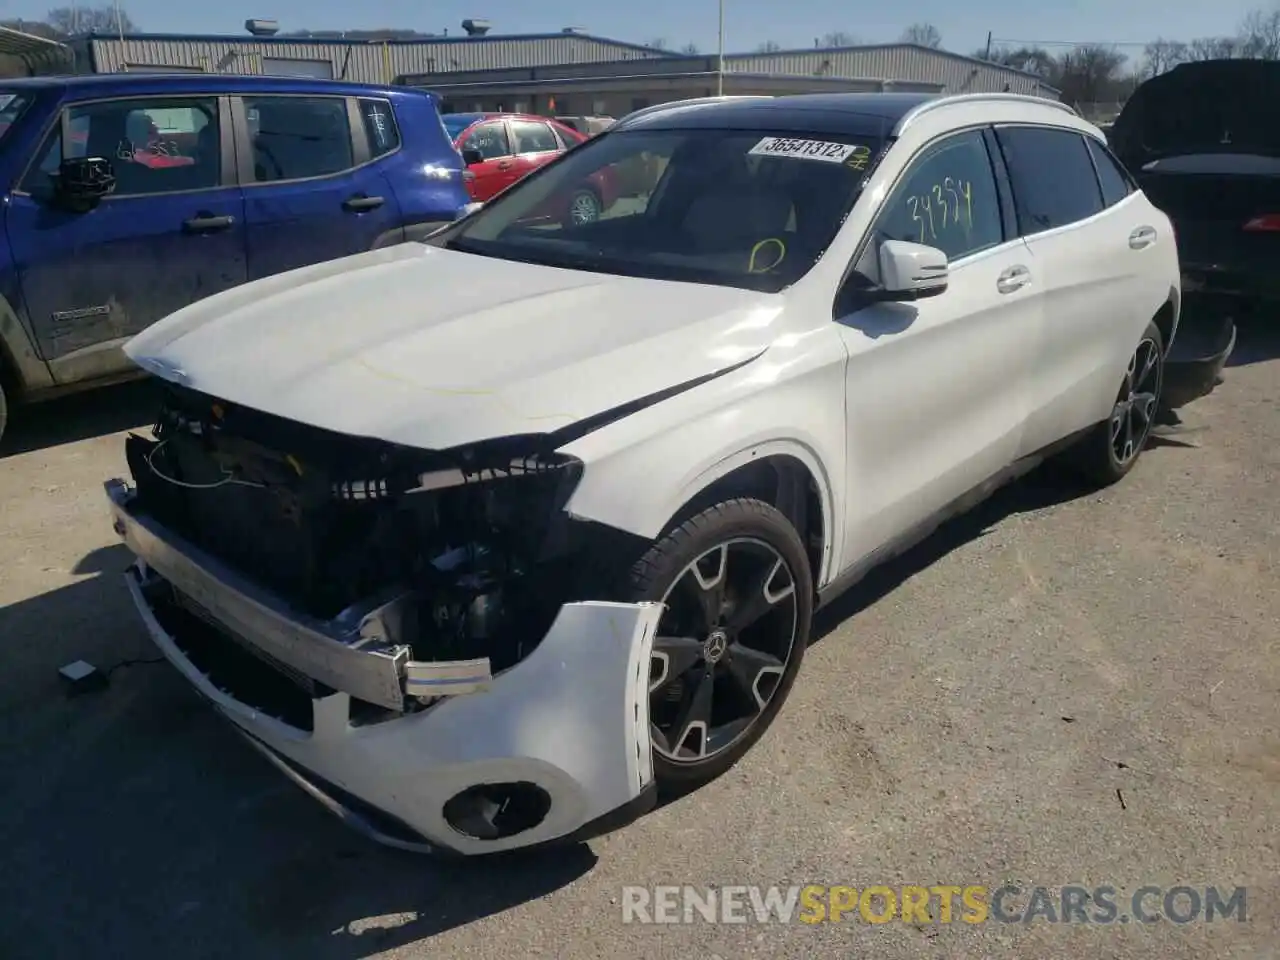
column 1092, row 254
column 497, row 170
column 534, row 144
column 313, row 190
column 171, row 233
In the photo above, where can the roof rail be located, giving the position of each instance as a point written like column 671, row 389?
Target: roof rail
column 672, row 104
column 945, row 101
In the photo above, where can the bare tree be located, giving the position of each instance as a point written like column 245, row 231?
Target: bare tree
column 72, row 20
column 769, row 46
column 1090, row 74
column 923, row 35
column 690, row 49
column 1260, row 35
column 1161, row 56
column 837, row 38
column 658, row 44
column 1035, row 60
column 1214, row 48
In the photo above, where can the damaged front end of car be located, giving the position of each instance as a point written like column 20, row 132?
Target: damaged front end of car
column 415, row 637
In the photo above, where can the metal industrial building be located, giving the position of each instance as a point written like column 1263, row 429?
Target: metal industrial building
column 363, row 61
column 614, row 89
column 570, row 72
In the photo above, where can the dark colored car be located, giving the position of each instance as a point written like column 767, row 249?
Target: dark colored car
column 1203, row 144
column 1200, row 142
column 502, row 148
column 128, row 196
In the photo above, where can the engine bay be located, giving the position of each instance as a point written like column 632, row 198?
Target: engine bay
column 478, row 537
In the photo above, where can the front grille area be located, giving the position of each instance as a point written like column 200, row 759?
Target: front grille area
column 232, row 668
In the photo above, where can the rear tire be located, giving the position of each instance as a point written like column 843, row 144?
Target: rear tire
column 738, row 591
column 1109, row 451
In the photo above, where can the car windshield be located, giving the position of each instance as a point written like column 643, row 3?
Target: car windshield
column 753, row 209
column 12, row 106
column 455, row 123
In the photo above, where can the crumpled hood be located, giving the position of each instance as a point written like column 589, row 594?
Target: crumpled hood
column 432, row 348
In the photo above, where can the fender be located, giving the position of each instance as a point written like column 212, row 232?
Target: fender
column 639, row 471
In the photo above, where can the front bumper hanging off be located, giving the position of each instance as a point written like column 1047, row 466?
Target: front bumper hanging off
column 560, row 741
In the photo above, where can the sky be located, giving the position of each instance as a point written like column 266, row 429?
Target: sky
column 748, row 23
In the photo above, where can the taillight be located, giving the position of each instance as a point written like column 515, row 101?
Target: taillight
column 1267, row 223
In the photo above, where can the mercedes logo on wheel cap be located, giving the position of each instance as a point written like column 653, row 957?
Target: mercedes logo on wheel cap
column 716, row 645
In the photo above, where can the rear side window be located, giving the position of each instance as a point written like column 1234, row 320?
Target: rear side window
column 298, row 138
column 1054, row 183
column 532, row 137
column 1115, row 182
column 380, row 126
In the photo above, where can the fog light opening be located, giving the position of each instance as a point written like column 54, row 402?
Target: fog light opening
column 494, row 811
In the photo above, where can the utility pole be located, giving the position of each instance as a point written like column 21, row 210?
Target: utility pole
column 720, row 56
column 988, row 56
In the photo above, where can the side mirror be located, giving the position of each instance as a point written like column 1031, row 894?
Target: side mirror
column 471, row 155
column 911, row 271
column 83, row 181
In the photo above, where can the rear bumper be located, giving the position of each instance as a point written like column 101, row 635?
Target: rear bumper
column 1203, row 344
column 1252, row 281
column 568, row 726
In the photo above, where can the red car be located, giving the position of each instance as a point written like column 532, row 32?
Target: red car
column 501, row 148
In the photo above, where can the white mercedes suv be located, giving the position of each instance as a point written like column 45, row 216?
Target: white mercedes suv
column 487, row 539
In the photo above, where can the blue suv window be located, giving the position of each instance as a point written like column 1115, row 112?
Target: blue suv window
column 156, row 146
column 298, row 138
column 380, row 126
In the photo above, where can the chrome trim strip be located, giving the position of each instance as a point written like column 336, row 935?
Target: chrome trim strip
column 323, row 651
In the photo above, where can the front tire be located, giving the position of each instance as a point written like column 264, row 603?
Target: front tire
column 1110, row 450
column 738, row 591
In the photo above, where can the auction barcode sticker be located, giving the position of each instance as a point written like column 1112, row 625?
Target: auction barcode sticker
column 824, row 150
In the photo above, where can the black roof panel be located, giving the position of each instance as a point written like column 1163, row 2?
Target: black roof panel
column 848, row 113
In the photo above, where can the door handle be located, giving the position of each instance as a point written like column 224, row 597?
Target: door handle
column 1142, row 237
column 1015, row 278
column 204, row 221
column 359, row 203
column 504, row 164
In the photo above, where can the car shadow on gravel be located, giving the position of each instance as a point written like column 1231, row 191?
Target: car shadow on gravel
column 1046, row 486
column 137, row 823
column 80, row 416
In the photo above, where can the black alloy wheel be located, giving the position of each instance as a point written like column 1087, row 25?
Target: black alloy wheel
column 722, row 648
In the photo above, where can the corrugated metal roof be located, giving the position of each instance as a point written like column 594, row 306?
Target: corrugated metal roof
column 20, row 44
column 904, row 61
column 370, row 61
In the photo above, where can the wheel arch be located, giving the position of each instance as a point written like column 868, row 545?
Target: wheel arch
column 781, row 473
column 1167, row 316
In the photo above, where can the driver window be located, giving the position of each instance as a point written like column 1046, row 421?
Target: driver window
column 948, row 199
column 490, row 139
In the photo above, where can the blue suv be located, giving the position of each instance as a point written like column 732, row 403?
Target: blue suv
column 128, row 196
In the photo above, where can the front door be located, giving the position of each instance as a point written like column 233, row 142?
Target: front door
column 936, row 389
column 171, row 233
column 314, row 190
column 497, row 170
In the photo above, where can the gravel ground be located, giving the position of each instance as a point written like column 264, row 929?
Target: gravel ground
column 1059, row 689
